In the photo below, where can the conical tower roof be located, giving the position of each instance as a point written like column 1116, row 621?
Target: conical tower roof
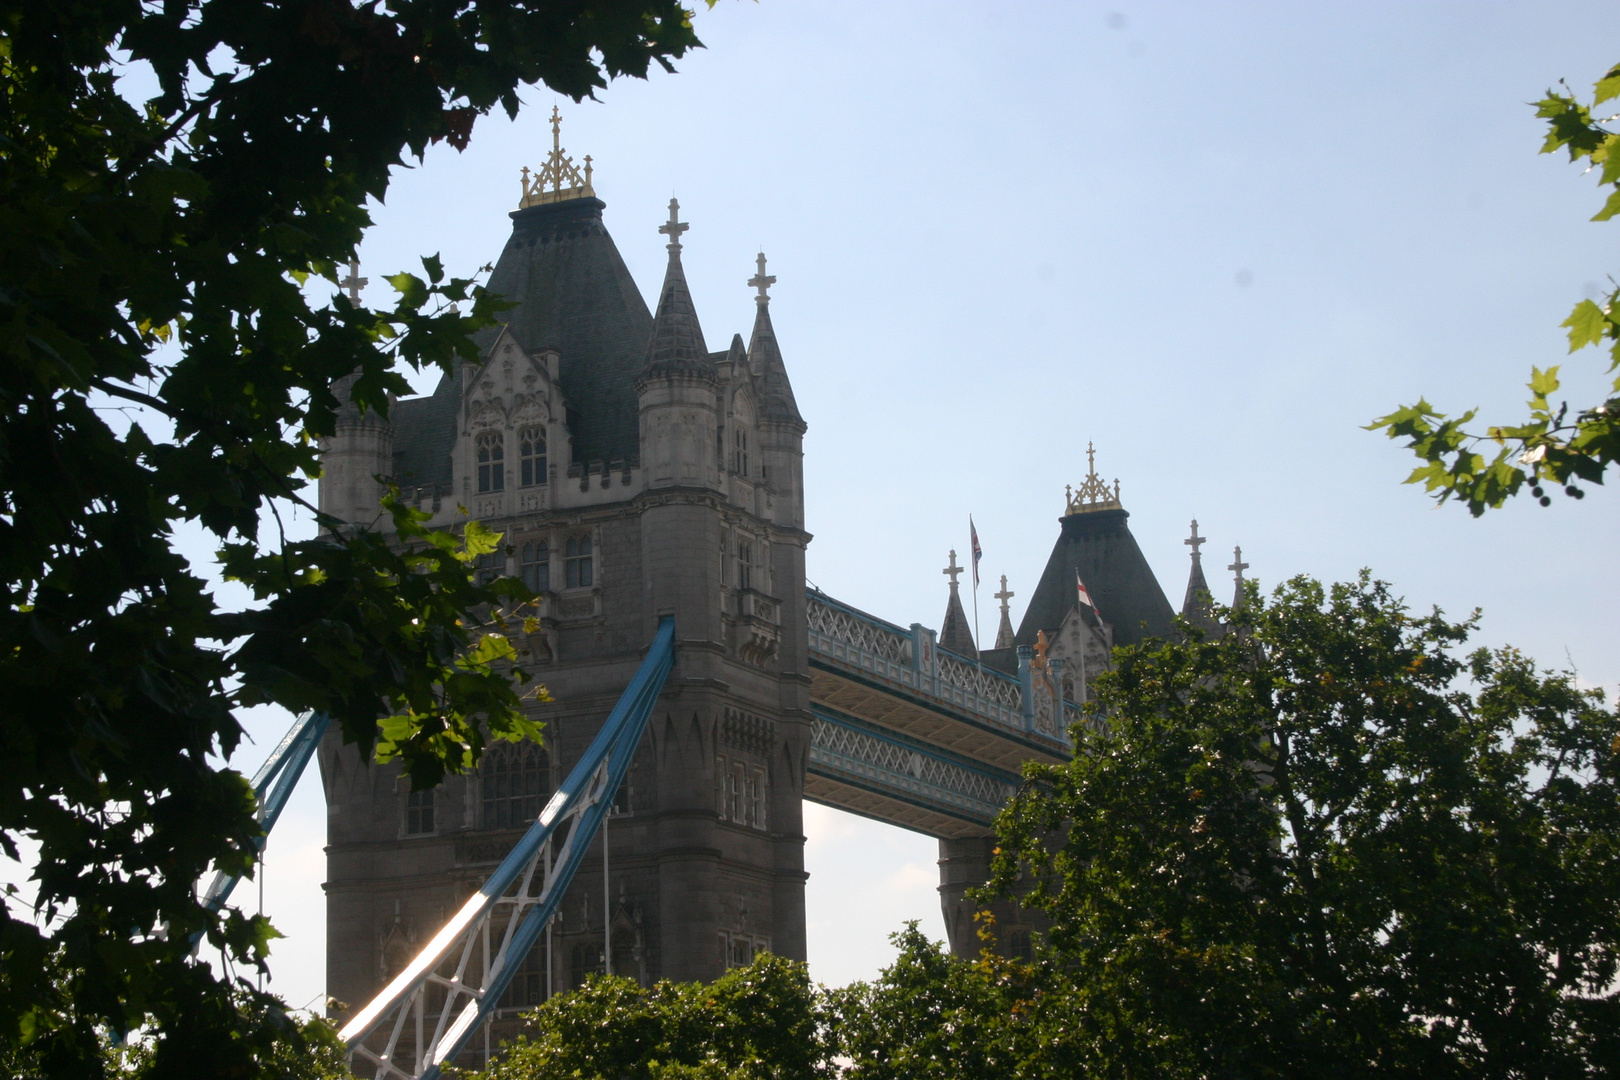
column 676, row 345
column 1196, row 605
column 954, row 632
column 1004, row 632
column 1096, row 545
column 765, row 357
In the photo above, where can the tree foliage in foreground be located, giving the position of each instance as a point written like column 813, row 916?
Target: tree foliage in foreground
column 164, row 370
column 1326, row 845
column 1554, row 446
column 754, row 1023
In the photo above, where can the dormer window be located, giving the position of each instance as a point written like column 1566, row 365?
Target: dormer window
column 491, row 447
column 577, row 568
column 531, row 457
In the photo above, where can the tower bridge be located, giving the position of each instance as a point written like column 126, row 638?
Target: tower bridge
column 651, row 489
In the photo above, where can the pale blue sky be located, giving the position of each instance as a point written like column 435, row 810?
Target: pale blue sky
column 1212, row 239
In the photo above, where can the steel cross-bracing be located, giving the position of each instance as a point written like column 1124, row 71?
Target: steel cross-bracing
column 451, row 987
column 272, row 785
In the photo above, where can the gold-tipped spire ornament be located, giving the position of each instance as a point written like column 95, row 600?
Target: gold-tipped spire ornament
column 559, row 178
column 1093, row 494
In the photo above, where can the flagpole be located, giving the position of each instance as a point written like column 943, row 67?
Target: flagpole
column 973, row 556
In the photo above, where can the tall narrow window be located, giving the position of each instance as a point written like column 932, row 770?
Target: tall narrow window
column 535, row 566
column 739, row 456
column 577, row 562
column 516, row 779
column 528, row 985
column 745, row 565
column 488, row 566
column 532, row 456
column 491, row 446
column 419, row 813
column 738, row 809
column 756, row 799
column 587, row 960
column 720, row 787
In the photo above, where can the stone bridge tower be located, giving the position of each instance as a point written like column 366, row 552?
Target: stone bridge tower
column 634, row 473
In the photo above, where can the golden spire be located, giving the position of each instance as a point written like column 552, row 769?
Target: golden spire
column 559, row 178
column 1093, row 494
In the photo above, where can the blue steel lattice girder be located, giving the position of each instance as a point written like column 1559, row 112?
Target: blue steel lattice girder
column 273, row 784
column 582, row 801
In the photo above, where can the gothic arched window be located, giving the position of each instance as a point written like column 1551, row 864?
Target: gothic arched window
column 577, row 567
column 516, row 781
column 491, row 446
column 535, row 566
column 531, row 457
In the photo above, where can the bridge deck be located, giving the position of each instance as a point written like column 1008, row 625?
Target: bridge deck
column 915, row 735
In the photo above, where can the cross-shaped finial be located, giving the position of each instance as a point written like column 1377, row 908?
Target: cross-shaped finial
column 952, row 570
column 1004, row 595
column 761, row 282
column 1195, row 541
column 1091, row 459
column 354, row 282
column 1238, row 565
column 556, row 129
column 674, row 227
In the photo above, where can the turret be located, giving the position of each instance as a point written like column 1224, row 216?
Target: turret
column 954, row 633
column 677, row 385
column 1197, row 605
column 360, row 450
column 781, row 428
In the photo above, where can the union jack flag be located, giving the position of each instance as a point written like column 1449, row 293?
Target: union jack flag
column 978, row 552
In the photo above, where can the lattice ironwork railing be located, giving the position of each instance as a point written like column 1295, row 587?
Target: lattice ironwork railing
column 980, row 682
column 842, row 750
column 911, row 660
column 857, row 638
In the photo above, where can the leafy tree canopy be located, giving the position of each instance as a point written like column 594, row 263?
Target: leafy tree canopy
column 1326, row 844
column 760, row 1022
column 154, row 257
column 1553, row 446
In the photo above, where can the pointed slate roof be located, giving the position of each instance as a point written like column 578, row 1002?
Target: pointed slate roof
column 675, row 346
column 954, row 633
column 765, row 357
column 574, row 294
column 1198, row 601
column 1098, row 545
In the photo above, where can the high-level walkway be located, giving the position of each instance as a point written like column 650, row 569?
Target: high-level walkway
column 915, row 735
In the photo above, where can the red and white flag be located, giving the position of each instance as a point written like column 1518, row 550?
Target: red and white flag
column 1080, row 587
column 978, row 552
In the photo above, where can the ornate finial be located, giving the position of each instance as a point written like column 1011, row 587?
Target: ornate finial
column 674, row 227
column 1004, row 595
column 761, row 282
column 1238, row 566
column 354, row 282
column 952, row 570
column 1195, row 541
column 1041, row 645
column 559, row 178
column 1093, row 494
